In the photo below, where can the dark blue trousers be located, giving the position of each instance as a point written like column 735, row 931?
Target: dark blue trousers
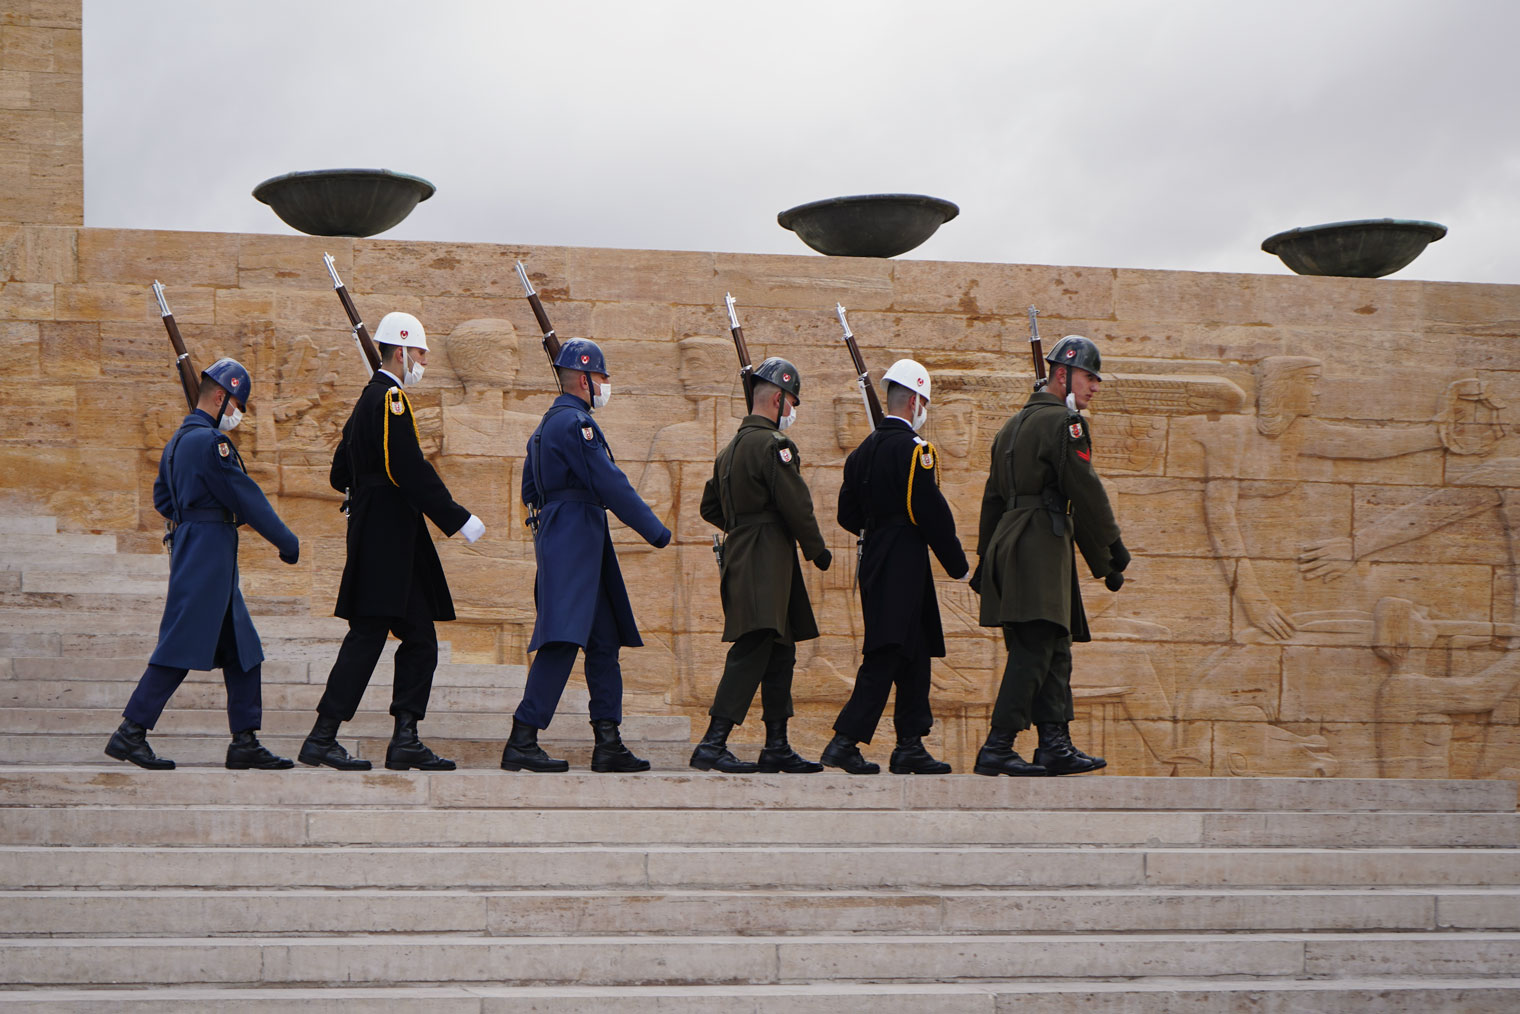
column 245, row 700
column 551, row 670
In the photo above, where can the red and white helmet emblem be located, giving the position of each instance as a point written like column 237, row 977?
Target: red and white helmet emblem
column 403, row 334
column 235, row 382
column 1071, row 353
column 920, row 381
column 585, row 359
column 786, row 376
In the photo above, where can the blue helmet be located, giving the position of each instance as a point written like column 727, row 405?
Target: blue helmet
column 581, row 354
column 230, row 376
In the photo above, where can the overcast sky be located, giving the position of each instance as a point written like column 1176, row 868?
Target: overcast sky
column 1175, row 134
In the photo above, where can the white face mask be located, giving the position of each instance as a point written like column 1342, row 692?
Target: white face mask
column 920, row 415
column 230, row 418
column 413, row 373
column 785, row 422
column 603, row 395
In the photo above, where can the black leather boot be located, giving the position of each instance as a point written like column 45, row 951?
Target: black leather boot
column 322, row 747
column 712, row 754
column 912, row 758
column 130, row 743
column 610, row 754
column 245, row 751
column 844, row 753
column 1056, row 754
column 777, row 754
column 996, row 757
column 406, row 749
column 522, row 752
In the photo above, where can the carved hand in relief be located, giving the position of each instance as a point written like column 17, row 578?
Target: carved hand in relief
column 1325, row 559
column 1263, row 613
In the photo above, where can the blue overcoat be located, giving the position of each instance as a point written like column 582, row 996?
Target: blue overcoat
column 571, row 475
column 199, row 474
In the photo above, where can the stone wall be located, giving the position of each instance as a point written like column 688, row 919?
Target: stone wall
column 1317, row 476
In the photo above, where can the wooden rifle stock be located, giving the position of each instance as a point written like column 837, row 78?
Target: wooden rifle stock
column 862, row 375
column 551, row 340
column 746, row 371
column 188, row 378
column 361, row 333
column 1034, row 349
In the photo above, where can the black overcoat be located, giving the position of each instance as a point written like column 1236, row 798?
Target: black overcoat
column 391, row 487
column 891, row 492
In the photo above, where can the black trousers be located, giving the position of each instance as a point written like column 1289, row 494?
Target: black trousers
column 759, row 659
column 245, row 702
column 553, row 662
column 905, row 666
column 1037, row 677
column 416, row 660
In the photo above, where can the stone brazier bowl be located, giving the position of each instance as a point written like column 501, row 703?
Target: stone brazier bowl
column 343, row 202
column 1370, row 248
column 868, row 225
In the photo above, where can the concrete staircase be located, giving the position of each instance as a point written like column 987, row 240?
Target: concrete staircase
column 483, row 892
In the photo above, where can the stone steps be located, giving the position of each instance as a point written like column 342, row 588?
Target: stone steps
column 751, row 911
column 408, row 958
column 1160, row 996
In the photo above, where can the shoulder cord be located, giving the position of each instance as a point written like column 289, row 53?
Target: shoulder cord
column 386, row 438
column 918, row 452
column 535, row 455
column 169, row 468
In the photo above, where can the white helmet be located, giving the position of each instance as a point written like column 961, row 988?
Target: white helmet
column 397, row 328
column 910, row 374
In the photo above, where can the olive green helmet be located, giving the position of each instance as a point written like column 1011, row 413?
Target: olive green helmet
column 783, row 374
column 1075, row 350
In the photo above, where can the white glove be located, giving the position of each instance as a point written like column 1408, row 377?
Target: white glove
column 472, row 529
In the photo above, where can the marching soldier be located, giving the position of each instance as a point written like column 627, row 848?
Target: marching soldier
column 393, row 581
column 1042, row 494
column 759, row 499
column 204, row 491
column 891, row 497
column 570, row 481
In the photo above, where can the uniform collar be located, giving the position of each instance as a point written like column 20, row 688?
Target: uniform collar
column 1045, row 398
column 388, row 373
column 200, row 417
column 756, row 419
column 572, row 401
column 896, row 418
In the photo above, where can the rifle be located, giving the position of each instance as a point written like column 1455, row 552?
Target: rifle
column 746, row 371
column 551, row 340
column 862, row 376
column 361, row 333
column 1034, row 349
column 188, row 378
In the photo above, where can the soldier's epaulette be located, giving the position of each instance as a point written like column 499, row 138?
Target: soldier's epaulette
column 398, row 404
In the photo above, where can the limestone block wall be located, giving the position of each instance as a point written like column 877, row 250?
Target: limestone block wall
column 1316, row 475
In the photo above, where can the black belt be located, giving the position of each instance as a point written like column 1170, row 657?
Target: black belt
column 1033, row 500
column 206, row 514
column 757, row 518
column 572, row 496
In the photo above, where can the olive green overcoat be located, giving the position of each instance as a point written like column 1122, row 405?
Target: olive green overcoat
column 758, row 497
column 1027, row 560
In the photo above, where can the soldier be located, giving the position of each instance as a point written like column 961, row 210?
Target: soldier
column 758, row 497
column 570, row 481
column 891, row 497
column 1041, row 494
column 392, row 579
column 205, row 492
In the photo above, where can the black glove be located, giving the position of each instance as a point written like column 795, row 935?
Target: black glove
column 976, row 578
column 1114, row 581
column 1120, row 554
column 823, row 559
column 293, row 556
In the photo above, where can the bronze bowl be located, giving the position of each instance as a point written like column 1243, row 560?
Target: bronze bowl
column 868, row 225
column 1369, row 248
column 343, row 202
